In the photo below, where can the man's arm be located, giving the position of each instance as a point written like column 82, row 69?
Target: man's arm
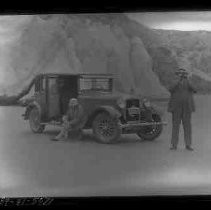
column 191, row 88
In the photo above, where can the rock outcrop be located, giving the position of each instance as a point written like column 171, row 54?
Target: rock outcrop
column 92, row 44
column 192, row 51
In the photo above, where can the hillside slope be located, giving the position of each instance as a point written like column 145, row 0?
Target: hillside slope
column 93, row 44
column 191, row 50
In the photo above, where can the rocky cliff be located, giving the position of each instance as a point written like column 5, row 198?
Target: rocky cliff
column 97, row 43
column 191, row 50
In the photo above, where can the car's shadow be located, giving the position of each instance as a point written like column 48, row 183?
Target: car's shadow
column 88, row 137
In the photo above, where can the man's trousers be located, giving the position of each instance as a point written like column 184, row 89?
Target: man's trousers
column 178, row 116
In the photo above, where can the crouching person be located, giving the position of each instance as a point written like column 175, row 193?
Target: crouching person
column 73, row 121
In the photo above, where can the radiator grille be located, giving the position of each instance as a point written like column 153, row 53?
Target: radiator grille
column 132, row 110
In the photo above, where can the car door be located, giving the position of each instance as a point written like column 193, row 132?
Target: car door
column 68, row 89
column 40, row 93
column 53, row 99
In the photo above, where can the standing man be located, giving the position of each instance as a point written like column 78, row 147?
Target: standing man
column 181, row 105
column 74, row 120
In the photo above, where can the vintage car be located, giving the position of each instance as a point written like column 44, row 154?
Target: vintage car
column 108, row 114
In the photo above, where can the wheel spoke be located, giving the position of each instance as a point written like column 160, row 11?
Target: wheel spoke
column 105, row 128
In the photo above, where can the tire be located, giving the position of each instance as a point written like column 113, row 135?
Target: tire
column 150, row 133
column 34, row 121
column 106, row 128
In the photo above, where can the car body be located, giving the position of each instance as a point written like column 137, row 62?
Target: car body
column 108, row 113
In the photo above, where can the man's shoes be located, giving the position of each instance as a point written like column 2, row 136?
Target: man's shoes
column 189, row 148
column 59, row 139
column 55, row 139
column 65, row 139
column 173, row 148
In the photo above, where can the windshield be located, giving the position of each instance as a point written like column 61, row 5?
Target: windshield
column 100, row 84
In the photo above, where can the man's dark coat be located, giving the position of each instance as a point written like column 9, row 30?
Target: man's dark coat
column 181, row 105
column 182, row 97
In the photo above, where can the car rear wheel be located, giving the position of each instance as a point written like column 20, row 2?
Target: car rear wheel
column 106, row 128
column 34, row 121
column 151, row 132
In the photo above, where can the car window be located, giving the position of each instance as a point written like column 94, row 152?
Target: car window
column 43, row 84
column 94, row 84
column 39, row 85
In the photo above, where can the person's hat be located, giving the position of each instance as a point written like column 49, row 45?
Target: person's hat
column 73, row 101
column 181, row 72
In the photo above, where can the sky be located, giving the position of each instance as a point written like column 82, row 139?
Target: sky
column 184, row 21
column 11, row 26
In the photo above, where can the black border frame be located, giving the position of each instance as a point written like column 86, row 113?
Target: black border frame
column 106, row 7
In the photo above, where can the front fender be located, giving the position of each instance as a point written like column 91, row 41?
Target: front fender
column 109, row 109
column 157, row 110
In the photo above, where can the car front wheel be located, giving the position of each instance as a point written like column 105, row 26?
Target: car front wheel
column 106, row 128
column 34, row 121
column 151, row 132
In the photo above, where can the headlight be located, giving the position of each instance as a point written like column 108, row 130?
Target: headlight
column 146, row 103
column 121, row 103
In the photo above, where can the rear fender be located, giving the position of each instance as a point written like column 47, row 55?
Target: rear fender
column 30, row 107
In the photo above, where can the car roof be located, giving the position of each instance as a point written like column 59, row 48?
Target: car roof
column 77, row 75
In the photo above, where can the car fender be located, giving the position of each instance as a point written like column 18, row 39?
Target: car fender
column 109, row 109
column 30, row 106
column 157, row 110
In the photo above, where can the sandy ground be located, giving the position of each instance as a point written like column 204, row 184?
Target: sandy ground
column 32, row 165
